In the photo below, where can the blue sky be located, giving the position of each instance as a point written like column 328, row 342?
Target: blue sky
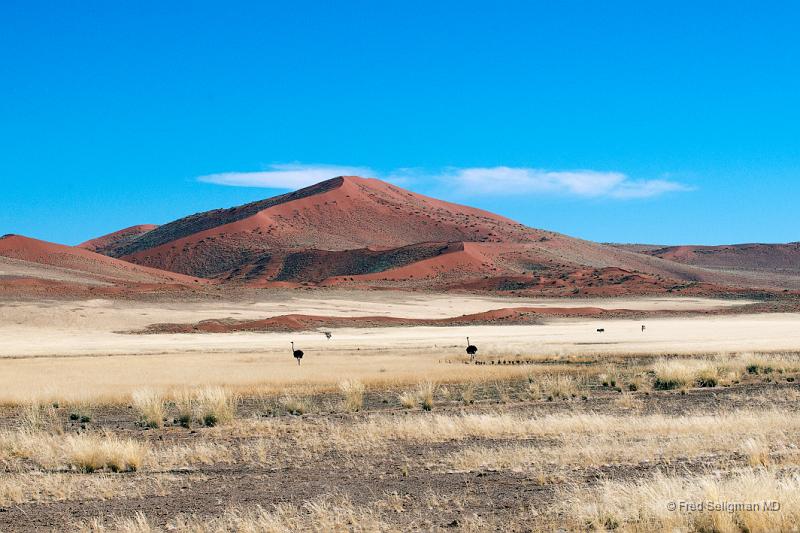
column 669, row 123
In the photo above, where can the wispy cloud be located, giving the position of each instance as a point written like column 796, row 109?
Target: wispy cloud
column 507, row 181
column 288, row 176
column 476, row 181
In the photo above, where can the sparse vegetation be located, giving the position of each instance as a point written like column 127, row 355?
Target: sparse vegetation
column 602, row 430
column 550, row 386
column 353, row 391
column 150, row 405
column 93, row 452
column 295, row 405
column 215, row 406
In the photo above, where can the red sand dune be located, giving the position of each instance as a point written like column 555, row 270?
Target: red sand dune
column 513, row 315
column 93, row 265
column 365, row 233
column 779, row 258
column 108, row 243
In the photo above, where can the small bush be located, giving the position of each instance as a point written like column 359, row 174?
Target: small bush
column 423, row 397
column 150, row 406
column 468, row 394
column 554, row 386
column 407, row 399
column 38, row 417
column 678, row 373
column 214, row 406
column 90, row 453
column 707, row 381
column 294, row 405
column 426, row 392
column 759, row 369
column 353, row 391
column 184, row 403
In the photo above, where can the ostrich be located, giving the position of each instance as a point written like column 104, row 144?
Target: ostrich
column 328, row 334
column 642, row 327
column 471, row 350
column 298, row 354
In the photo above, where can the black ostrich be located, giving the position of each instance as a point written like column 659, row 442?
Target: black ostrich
column 328, row 334
column 471, row 350
column 298, row 354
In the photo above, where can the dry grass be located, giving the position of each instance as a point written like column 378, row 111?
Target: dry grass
column 681, row 373
column 323, row 514
column 296, row 405
column 17, row 488
column 150, row 405
column 769, row 363
column 209, row 406
column 644, row 505
column 214, row 406
column 190, row 455
column 353, row 391
column 424, row 396
column 468, row 394
column 550, row 386
column 36, row 416
column 408, row 399
column 626, row 400
column 426, row 392
column 91, row 453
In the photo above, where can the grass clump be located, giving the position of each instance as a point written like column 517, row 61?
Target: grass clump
column 209, row 406
column 295, row 405
column 407, row 399
column 426, row 392
column 150, row 405
column 93, row 452
column 468, row 394
column 353, row 391
column 39, row 417
column 673, row 374
column 554, row 386
column 215, row 406
column 423, row 396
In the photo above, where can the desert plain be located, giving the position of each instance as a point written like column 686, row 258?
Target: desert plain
column 110, row 426
column 305, row 363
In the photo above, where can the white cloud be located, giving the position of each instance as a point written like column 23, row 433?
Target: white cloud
column 508, row 181
column 477, row 181
column 288, row 176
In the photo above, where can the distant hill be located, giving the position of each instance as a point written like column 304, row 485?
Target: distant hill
column 25, row 258
column 366, row 233
column 774, row 261
column 108, row 243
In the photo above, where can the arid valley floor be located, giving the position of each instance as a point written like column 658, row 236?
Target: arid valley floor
column 110, row 426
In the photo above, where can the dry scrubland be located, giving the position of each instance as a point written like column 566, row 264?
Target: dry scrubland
column 597, row 436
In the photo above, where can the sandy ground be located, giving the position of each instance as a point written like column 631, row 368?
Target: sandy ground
column 73, row 348
column 16, row 268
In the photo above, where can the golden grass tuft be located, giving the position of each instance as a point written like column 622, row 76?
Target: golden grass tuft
column 646, row 505
column 93, row 452
column 296, row 405
column 353, row 391
column 215, row 406
column 408, row 399
column 209, row 406
column 36, row 416
column 423, row 396
column 680, row 373
column 150, row 405
column 551, row 386
column 322, row 514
